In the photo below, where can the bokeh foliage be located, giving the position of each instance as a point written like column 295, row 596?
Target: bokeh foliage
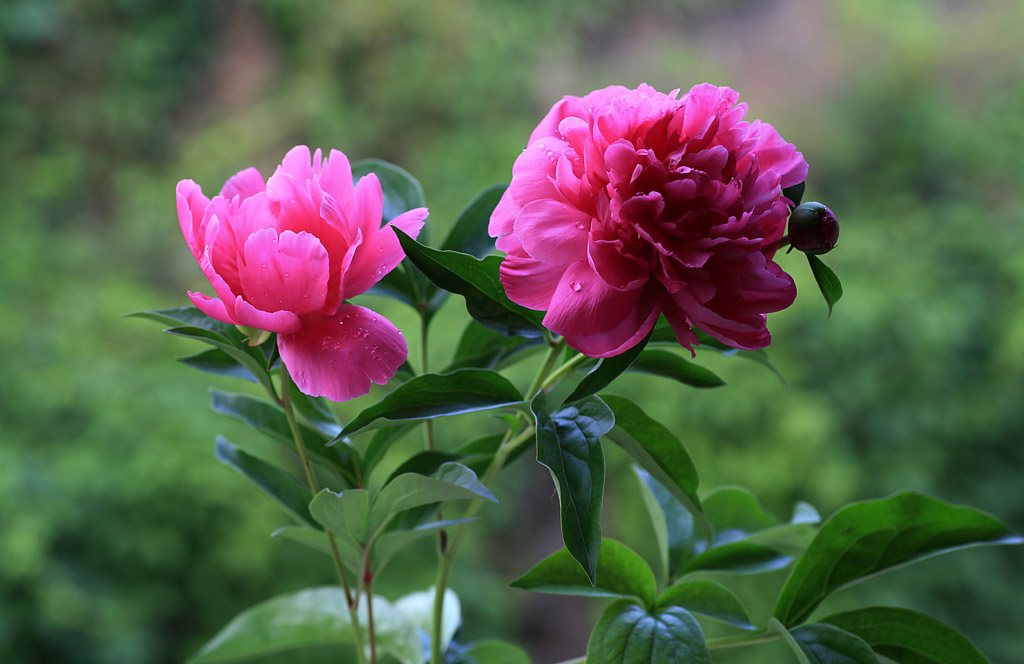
column 124, row 540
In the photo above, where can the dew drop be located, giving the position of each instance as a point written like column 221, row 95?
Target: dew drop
column 286, row 274
column 580, row 225
column 575, row 286
column 263, row 265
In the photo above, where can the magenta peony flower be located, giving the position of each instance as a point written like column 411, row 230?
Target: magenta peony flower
column 627, row 204
column 286, row 255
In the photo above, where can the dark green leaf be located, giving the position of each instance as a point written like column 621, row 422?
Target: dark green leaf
column 452, row 481
column 469, row 233
column 663, row 334
column 312, row 617
column 829, row 284
column 826, row 644
column 607, row 370
column 192, row 317
column 250, row 358
column 316, row 412
column 382, row 441
column 314, row 539
column 908, row 637
column 478, row 282
column 569, row 444
column 738, row 557
column 492, row 651
column 795, row 193
column 658, row 451
column 424, row 463
column 346, row 515
column 402, row 192
column 867, row 538
column 217, row 362
column 667, row 364
column 483, row 348
column 736, row 508
column 621, row 572
column 276, row 483
column 627, row 634
column 708, row 598
column 398, row 284
column 435, row 395
column 676, row 522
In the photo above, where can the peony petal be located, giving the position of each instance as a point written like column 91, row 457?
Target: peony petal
column 504, row 216
column 583, row 304
column 380, row 253
column 243, row 184
column 212, row 307
column 336, row 178
column 284, row 273
column 529, row 282
column 553, row 232
column 627, row 333
column 340, row 356
column 367, row 209
column 282, row 322
column 192, row 206
column 534, row 170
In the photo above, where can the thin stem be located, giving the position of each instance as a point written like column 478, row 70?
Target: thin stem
column 554, row 350
column 563, row 370
column 314, row 487
column 368, row 581
column 425, row 365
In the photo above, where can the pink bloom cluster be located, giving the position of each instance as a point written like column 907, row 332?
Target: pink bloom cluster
column 285, row 255
column 627, row 204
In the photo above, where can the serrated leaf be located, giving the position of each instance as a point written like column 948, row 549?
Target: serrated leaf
column 346, row 516
column 867, row 538
column 218, row 363
column 436, row 395
column 829, row 284
column 276, row 483
column 827, row 644
column 667, row 364
column 621, row 572
column 708, row 598
column 312, row 617
column 738, row 557
column 676, row 521
column 607, row 370
column 908, row 637
column 569, row 445
column 477, row 281
column 658, row 451
column 628, row 634
column 452, row 481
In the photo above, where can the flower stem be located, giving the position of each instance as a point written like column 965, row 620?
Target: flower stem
column 425, row 366
column 368, row 582
column 314, row 487
column 554, row 350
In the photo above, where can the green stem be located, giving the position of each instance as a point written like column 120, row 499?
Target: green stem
column 563, row 370
column 314, row 487
column 368, row 582
column 554, row 350
column 425, row 364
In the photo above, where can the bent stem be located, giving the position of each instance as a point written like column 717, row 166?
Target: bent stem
column 314, row 487
column 451, row 549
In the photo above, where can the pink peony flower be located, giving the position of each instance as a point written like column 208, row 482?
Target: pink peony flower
column 627, row 204
column 286, row 255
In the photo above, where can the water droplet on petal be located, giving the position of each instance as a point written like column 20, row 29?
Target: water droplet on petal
column 575, row 286
column 263, row 265
column 286, row 274
column 579, row 225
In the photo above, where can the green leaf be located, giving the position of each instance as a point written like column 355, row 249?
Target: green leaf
column 627, row 634
column 738, row 557
column 318, row 414
column 867, row 538
column 736, row 508
column 388, row 545
column 795, row 193
column 402, row 192
column 708, row 598
column 492, row 651
column 669, row 515
column 826, row 644
column 382, row 441
column 469, row 233
column 907, row 636
column 569, row 445
column 418, row 607
column 250, row 358
column 483, row 348
column 477, row 281
column 436, row 395
column 191, row 317
column 217, row 362
column 607, row 370
column 424, row 463
column 657, row 362
column 346, row 516
column 621, row 572
column 452, row 481
column 276, row 483
column 314, row 539
column 663, row 334
column 658, row 451
column 312, row 617
column 829, row 284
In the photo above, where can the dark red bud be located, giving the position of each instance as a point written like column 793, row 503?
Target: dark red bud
column 813, row 229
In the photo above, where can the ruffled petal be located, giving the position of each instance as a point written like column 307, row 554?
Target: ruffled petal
column 284, row 273
column 339, row 356
column 282, row 322
column 380, row 253
column 528, row 282
column 191, row 208
column 583, row 304
column 212, row 307
column 243, row 184
column 553, row 232
column 626, row 333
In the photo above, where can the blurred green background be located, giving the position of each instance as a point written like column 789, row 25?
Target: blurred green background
column 123, row 540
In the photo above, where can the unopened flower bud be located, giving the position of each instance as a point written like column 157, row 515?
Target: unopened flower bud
column 813, row 229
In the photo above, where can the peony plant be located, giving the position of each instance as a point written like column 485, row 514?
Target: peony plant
column 637, row 226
